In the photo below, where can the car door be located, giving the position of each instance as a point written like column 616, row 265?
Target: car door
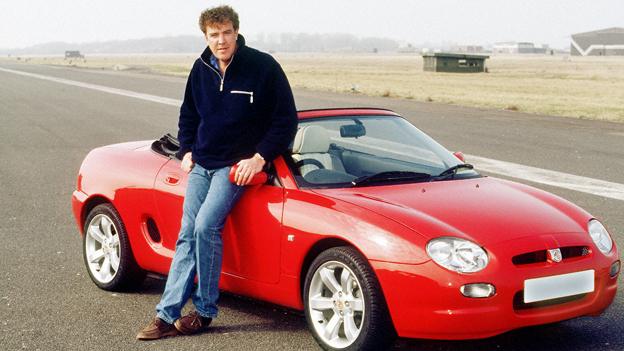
column 169, row 190
column 251, row 236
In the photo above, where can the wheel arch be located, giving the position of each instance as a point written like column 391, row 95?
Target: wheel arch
column 315, row 250
column 128, row 275
column 89, row 205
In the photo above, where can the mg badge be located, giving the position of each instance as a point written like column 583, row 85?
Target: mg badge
column 554, row 255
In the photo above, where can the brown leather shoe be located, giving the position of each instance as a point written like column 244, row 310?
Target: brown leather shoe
column 157, row 329
column 192, row 323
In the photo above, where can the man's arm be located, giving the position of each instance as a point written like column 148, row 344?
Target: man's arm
column 189, row 120
column 247, row 168
column 281, row 131
column 282, row 118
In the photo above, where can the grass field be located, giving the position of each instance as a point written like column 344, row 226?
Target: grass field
column 582, row 87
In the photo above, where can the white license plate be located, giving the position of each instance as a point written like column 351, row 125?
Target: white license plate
column 546, row 288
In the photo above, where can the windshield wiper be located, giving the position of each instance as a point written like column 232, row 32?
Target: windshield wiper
column 451, row 172
column 390, row 176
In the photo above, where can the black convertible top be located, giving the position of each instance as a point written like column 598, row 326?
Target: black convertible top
column 168, row 145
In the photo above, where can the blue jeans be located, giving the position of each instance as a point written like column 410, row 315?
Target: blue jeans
column 209, row 199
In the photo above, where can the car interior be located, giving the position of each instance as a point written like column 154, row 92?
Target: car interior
column 316, row 159
column 323, row 157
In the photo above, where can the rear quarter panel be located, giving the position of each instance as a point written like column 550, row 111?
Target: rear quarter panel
column 124, row 175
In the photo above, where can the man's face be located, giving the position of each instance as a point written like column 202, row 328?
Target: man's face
column 221, row 39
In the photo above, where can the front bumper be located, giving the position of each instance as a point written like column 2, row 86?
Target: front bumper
column 425, row 300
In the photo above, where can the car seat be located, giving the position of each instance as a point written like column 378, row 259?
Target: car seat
column 311, row 150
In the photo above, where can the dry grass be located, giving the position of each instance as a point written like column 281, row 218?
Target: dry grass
column 575, row 87
column 582, row 87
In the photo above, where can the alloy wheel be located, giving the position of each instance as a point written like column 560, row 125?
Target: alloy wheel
column 336, row 304
column 102, row 248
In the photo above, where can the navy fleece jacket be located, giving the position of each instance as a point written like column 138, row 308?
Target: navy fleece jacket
column 228, row 117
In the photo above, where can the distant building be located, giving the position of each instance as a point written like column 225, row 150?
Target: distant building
column 542, row 49
column 513, row 47
column 456, row 63
column 469, row 48
column 70, row 54
column 605, row 42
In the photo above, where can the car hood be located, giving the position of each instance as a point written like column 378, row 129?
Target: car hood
column 486, row 210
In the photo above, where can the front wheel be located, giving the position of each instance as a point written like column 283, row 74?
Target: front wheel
column 344, row 305
column 106, row 251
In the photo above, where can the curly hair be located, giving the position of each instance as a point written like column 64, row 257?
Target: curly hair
column 218, row 15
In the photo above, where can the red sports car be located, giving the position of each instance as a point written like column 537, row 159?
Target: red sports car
column 369, row 226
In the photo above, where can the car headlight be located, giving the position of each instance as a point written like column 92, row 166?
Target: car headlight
column 457, row 254
column 600, row 236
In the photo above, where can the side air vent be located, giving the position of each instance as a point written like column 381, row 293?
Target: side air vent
column 152, row 230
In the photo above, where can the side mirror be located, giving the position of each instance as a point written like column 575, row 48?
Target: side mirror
column 259, row 178
column 460, row 156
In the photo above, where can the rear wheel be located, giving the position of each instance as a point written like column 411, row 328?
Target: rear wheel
column 344, row 304
column 106, row 251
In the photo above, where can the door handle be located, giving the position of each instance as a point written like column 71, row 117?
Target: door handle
column 172, row 179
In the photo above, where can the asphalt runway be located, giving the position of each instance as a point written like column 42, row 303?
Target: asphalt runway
column 48, row 302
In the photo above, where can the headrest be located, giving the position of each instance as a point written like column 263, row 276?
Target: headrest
column 311, row 139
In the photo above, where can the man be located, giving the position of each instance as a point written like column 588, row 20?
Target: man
column 238, row 109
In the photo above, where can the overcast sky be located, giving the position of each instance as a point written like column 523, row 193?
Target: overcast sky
column 28, row 22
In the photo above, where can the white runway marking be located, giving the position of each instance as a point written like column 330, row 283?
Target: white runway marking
column 554, row 178
column 122, row 92
column 537, row 175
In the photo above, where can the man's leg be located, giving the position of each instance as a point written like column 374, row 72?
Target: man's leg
column 209, row 223
column 183, row 267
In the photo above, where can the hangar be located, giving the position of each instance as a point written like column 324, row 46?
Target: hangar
column 604, row 42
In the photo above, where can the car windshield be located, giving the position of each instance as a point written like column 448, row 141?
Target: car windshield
column 349, row 151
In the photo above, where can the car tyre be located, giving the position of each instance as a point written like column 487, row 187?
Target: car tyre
column 107, row 253
column 344, row 304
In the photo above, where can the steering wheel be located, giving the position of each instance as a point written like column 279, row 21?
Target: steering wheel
column 309, row 161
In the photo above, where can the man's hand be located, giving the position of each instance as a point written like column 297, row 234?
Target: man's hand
column 248, row 168
column 187, row 162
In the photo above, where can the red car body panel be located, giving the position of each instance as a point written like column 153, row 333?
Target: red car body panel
column 484, row 210
column 271, row 233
